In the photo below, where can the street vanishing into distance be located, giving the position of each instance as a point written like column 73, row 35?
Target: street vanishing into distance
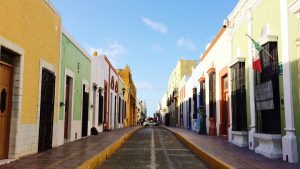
column 149, row 84
column 154, row 148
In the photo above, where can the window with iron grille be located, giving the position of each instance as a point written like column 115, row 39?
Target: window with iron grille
column 212, row 94
column 267, row 98
column 202, row 94
column 119, row 110
column 100, row 110
column 189, row 112
column 238, row 97
column 195, row 103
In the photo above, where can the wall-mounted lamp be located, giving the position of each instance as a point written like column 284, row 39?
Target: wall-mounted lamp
column 123, row 90
column 100, row 90
column 78, row 67
column 95, row 87
column 61, row 104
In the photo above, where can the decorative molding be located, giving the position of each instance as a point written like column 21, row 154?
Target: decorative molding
column 268, row 38
column 236, row 60
column 211, row 70
column 294, row 7
column 202, row 78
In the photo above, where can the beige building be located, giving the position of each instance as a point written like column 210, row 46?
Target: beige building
column 183, row 68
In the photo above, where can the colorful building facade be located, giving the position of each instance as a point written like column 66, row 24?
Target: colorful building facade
column 74, row 117
column 258, row 110
column 130, row 97
column 30, row 62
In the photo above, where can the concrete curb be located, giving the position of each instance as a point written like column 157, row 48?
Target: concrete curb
column 211, row 160
column 99, row 158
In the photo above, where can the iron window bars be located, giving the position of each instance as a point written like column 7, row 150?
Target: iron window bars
column 195, row 102
column 212, row 94
column 267, row 98
column 238, row 97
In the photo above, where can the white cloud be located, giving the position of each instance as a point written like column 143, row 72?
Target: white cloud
column 114, row 51
column 155, row 25
column 186, row 43
column 144, row 86
column 158, row 48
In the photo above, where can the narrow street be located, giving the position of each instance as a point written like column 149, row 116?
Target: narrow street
column 154, row 148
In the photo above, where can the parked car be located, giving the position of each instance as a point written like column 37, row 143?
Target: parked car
column 150, row 123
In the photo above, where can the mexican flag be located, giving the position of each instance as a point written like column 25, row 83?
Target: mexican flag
column 256, row 63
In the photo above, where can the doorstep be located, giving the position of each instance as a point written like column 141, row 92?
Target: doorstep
column 6, row 161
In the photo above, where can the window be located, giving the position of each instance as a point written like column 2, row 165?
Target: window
column 125, row 109
column 267, row 99
column 119, row 110
column 238, row 97
column 202, row 94
column 115, row 120
column 212, row 94
column 189, row 112
column 195, row 103
column 100, row 110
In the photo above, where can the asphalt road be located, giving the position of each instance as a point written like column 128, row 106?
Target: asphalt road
column 153, row 148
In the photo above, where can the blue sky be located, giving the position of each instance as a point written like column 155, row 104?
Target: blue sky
column 148, row 35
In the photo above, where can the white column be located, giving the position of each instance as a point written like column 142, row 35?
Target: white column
column 252, row 142
column 229, row 91
column 289, row 143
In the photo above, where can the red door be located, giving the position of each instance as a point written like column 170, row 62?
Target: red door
column 224, row 122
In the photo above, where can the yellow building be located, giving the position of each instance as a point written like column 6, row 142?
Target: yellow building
column 183, row 68
column 30, row 33
column 130, row 116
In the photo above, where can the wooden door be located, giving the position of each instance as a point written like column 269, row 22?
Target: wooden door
column 46, row 110
column 5, row 107
column 224, row 106
column 85, row 112
column 68, row 107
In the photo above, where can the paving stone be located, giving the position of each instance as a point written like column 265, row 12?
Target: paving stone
column 69, row 155
column 232, row 154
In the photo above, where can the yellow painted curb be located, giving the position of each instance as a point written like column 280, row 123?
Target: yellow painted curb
column 211, row 160
column 99, row 158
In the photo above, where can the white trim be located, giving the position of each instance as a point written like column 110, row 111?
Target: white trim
column 52, row 68
column 294, row 7
column 59, row 88
column 251, row 141
column 11, row 45
column 76, row 44
column 52, row 7
column 236, row 60
column 289, row 143
column 268, row 38
column 71, row 74
column 17, row 97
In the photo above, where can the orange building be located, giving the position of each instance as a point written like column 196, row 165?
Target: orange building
column 130, row 116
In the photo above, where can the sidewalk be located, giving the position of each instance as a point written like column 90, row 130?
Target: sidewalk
column 70, row 155
column 231, row 154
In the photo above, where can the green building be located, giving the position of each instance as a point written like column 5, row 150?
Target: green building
column 75, row 78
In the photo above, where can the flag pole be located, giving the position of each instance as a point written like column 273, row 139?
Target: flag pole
column 261, row 48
